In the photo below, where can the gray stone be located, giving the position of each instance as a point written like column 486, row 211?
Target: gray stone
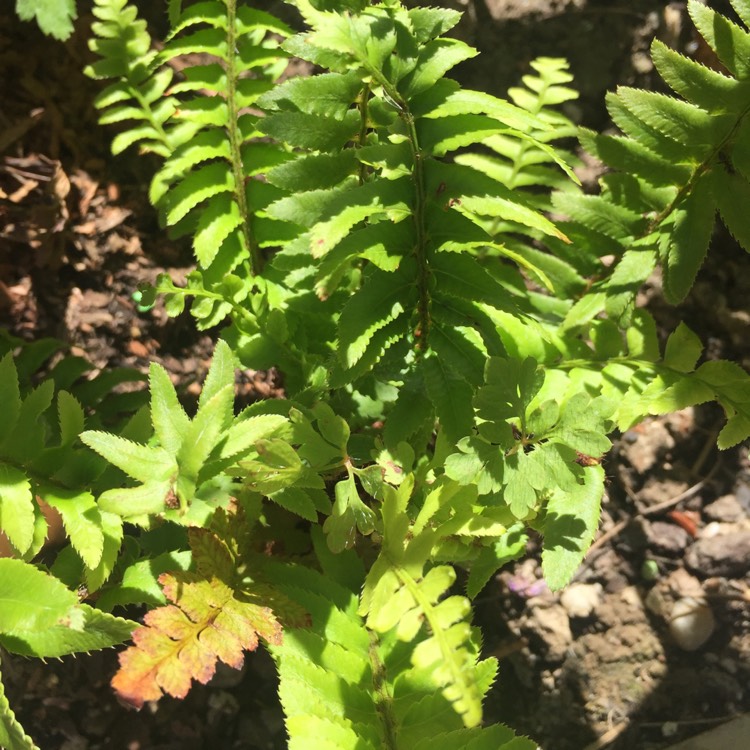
column 721, row 555
column 726, row 508
column 666, row 537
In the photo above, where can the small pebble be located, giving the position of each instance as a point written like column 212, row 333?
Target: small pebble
column 581, row 599
column 691, row 623
column 552, row 624
column 642, row 63
column 666, row 537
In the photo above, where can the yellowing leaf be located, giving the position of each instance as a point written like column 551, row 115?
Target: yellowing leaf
column 182, row 642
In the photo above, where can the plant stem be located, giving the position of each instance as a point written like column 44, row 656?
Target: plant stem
column 422, row 331
column 235, row 140
column 383, row 699
column 362, row 107
column 697, row 173
column 420, row 247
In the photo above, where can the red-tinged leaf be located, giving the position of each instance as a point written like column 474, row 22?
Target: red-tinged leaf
column 135, row 682
column 256, row 619
column 198, row 661
column 182, row 642
column 171, row 621
column 207, row 620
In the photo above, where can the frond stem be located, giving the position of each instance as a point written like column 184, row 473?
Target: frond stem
column 361, row 138
column 235, row 140
column 420, row 247
column 383, row 699
column 698, row 172
column 422, row 331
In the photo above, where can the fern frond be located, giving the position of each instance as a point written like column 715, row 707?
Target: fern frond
column 190, row 454
column 643, row 381
column 403, row 204
column 201, row 126
column 40, row 458
column 344, row 686
column 401, row 594
column 124, row 44
column 679, row 159
column 525, row 159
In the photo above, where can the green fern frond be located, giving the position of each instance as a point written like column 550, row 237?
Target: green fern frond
column 680, row 161
column 401, row 593
column 402, row 204
column 176, row 474
column 137, row 95
column 344, row 686
column 525, row 159
column 200, row 123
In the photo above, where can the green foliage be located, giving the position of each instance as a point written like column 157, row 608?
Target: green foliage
column 40, row 616
column 679, row 162
column 201, row 127
column 453, row 359
column 55, row 17
column 344, row 686
column 181, row 474
column 41, row 458
column 12, row 734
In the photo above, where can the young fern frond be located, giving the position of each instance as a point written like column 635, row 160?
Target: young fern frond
column 679, row 161
column 201, row 123
column 344, row 686
column 137, row 96
column 534, row 166
column 179, row 477
column 642, row 381
column 402, row 593
column 519, row 162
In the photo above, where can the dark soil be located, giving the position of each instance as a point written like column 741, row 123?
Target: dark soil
column 597, row 667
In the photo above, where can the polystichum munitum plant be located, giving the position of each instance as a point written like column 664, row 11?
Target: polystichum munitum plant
column 453, row 359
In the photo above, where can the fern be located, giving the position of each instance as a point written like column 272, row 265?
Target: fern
column 12, row 734
column 413, row 218
column 40, row 616
column 679, row 161
column 454, row 360
column 203, row 129
column 40, row 458
column 180, row 478
column 343, row 685
column 399, row 594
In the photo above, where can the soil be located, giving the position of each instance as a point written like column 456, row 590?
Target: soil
column 604, row 665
